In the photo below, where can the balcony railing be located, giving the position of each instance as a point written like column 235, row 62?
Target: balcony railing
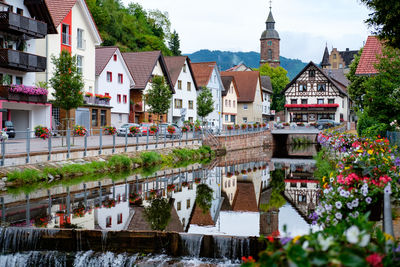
column 91, row 100
column 18, row 24
column 20, row 97
column 17, row 60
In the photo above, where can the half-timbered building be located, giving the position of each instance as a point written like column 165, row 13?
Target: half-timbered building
column 313, row 95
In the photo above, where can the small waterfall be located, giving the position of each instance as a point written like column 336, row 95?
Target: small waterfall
column 92, row 259
column 34, row 258
column 191, row 244
column 104, row 234
column 22, row 239
column 231, row 247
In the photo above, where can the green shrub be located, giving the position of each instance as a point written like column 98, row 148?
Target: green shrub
column 74, row 169
column 324, row 166
column 375, row 130
column 150, row 158
column 120, row 162
column 364, row 122
column 204, row 197
column 27, row 176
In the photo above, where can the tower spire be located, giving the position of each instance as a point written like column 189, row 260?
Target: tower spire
column 270, row 5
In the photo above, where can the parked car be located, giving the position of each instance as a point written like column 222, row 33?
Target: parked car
column 325, row 124
column 162, row 129
column 8, row 126
column 125, row 128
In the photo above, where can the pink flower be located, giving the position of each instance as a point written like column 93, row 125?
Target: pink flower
column 375, row 260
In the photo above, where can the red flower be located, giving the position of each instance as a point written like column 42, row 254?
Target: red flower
column 270, row 238
column 375, row 260
column 248, row 259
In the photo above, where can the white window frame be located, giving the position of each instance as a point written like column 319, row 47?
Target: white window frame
column 79, row 59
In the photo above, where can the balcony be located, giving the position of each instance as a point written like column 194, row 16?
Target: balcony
column 17, row 60
column 91, row 100
column 18, row 25
column 20, row 97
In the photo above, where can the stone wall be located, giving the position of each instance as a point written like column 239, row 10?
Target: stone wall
column 245, row 141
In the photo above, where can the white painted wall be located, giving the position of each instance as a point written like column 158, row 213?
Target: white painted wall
column 229, row 105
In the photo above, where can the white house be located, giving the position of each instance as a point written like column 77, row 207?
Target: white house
column 229, row 100
column 267, row 92
column 114, row 79
column 183, row 106
column 22, row 24
column 313, row 95
column 208, row 75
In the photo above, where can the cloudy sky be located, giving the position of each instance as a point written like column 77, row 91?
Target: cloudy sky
column 305, row 26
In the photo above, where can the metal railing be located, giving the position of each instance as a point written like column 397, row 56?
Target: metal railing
column 393, row 137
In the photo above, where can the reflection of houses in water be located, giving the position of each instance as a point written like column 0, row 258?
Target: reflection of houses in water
column 269, row 220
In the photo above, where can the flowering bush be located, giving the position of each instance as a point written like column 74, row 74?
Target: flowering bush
column 79, row 130
column 3, row 136
column 171, row 129
column 197, row 180
column 110, row 203
column 88, row 94
column 135, row 199
column 42, row 132
column 395, row 125
column 134, row 130
column 255, row 125
column 41, row 222
column 185, row 184
column 185, row 128
column 27, row 90
column 197, row 128
column 237, row 126
column 244, row 126
column 110, row 130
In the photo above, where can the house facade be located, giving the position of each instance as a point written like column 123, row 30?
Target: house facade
column 266, row 87
column 313, row 95
column 208, row 75
column 23, row 23
column 184, row 101
column 143, row 66
column 337, row 59
column 114, row 79
column 250, row 102
column 229, row 101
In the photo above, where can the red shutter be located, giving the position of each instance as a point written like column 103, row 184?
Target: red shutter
column 115, row 57
column 119, row 98
column 122, row 78
column 125, row 99
column 107, row 94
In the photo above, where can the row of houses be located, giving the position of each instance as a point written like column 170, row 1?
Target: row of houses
column 32, row 32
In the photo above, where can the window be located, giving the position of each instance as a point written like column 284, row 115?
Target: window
column 234, row 103
column 115, row 57
column 109, row 76
column 120, row 78
column 293, row 101
column 244, row 119
column 79, row 64
column 311, row 73
column 334, row 56
column 179, row 84
column 302, row 87
column 119, row 218
column 103, row 118
column 20, row 11
column 108, row 222
column 118, row 98
column 340, row 66
column 178, row 205
column 125, row 99
column 178, row 103
column 226, row 118
column 189, row 86
column 190, row 119
column 65, row 37
column 230, row 103
column 245, row 107
column 331, row 101
column 19, row 80
column 304, row 101
column 233, row 118
column 320, row 101
column 270, row 54
column 184, row 67
column 80, row 41
column 321, row 87
column 226, row 102
column 190, row 104
column 188, row 203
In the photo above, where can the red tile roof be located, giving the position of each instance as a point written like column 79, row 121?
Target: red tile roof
column 246, row 82
column 202, row 72
column 59, row 9
column 372, row 48
column 141, row 66
column 200, row 218
column 103, row 56
column 245, row 198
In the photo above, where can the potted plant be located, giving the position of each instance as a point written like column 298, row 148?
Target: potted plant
column 79, row 130
column 110, row 130
column 42, row 132
column 230, row 127
column 170, row 187
column 237, row 126
column 185, row 128
column 229, row 174
column 135, row 199
column 185, row 184
column 106, row 98
column 244, row 126
column 197, row 180
column 153, row 129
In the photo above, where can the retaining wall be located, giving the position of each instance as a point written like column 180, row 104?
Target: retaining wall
column 248, row 140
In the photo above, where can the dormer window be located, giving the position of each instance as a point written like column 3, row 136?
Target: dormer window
column 311, row 73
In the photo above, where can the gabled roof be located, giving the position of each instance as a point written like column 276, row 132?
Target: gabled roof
column 141, row 66
column 325, row 58
column 40, row 11
column 337, row 75
column 372, row 48
column 175, row 65
column 238, row 67
column 200, row 218
column 348, row 56
column 245, row 198
column 226, row 81
column 103, row 56
column 266, row 84
column 341, row 88
column 246, row 82
column 202, row 72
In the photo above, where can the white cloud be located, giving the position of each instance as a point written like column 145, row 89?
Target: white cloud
column 236, row 25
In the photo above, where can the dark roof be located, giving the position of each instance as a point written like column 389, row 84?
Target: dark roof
column 103, row 56
column 246, row 82
column 40, row 11
column 270, row 32
column 245, row 198
column 202, row 72
column 348, row 56
column 141, row 66
column 59, row 9
column 266, row 84
column 338, row 75
column 226, row 81
column 372, row 48
column 175, row 65
column 325, row 58
column 270, row 18
column 341, row 88
column 200, row 218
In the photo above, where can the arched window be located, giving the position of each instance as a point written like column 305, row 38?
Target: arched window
column 269, row 53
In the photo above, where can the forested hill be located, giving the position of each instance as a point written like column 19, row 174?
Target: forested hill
column 226, row 60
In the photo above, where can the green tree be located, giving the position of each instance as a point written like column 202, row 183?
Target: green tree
column 158, row 97
column 385, row 19
column 204, row 197
column 279, row 80
column 356, row 87
column 158, row 214
column 205, row 103
column 67, row 82
column 174, row 44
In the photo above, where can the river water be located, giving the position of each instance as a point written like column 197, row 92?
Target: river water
column 254, row 193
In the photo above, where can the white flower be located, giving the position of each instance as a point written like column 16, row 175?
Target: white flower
column 334, row 221
column 305, row 245
column 325, row 243
column 338, row 215
column 364, row 240
column 326, row 191
column 332, row 179
column 328, row 207
column 352, row 234
column 355, row 203
column 349, row 205
column 356, row 214
column 368, row 200
column 338, row 204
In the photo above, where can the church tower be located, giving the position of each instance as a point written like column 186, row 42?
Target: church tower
column 270, row 43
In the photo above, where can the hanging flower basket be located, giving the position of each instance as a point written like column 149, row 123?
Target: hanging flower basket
column 255, row 169
column 170, row 187
column 110, row 130
column 135, row 199
column 134, row 130
column 229, row 174
column 244, row 126
column 153, row 193
column 237, row 126
column 230, row 127
column 79, row 130
column 153, row 129
column 236, row 172
column 110, row 203
column 248, row 169
column 42, row 132
column 243, row 171
column 197, row 128
column 255, row 125
column 197, row 180
column 185, row 128
column 263, row 124
column 185, row 184
column 171, row 129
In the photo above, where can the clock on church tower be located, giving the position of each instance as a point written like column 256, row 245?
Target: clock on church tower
column 270, row 42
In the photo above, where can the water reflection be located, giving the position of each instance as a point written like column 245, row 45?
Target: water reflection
column 244, row 200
